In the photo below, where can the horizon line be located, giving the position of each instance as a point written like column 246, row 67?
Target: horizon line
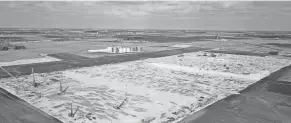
column 206, row 30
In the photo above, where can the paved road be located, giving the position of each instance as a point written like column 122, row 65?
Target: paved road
column 15, row 110
column 267, row 101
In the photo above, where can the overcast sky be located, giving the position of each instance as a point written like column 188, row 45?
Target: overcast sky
column 194, row 15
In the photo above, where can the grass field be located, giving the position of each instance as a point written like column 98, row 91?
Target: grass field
column 34, row 49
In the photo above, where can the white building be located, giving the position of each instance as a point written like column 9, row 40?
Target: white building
column 118, row 49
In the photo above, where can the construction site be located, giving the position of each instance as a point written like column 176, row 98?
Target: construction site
column 145, row 62
column 155, row 76
column 157, row 87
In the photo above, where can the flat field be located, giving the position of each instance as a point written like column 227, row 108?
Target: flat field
column 155, row 90
column 34, row 49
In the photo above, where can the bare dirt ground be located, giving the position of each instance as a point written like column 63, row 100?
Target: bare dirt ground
column 148, row 84
column 267, row 101
column 30, row 61
column 68, row 61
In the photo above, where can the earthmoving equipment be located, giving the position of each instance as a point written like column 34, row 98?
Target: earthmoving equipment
column 72, row 114
column 61, row 89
